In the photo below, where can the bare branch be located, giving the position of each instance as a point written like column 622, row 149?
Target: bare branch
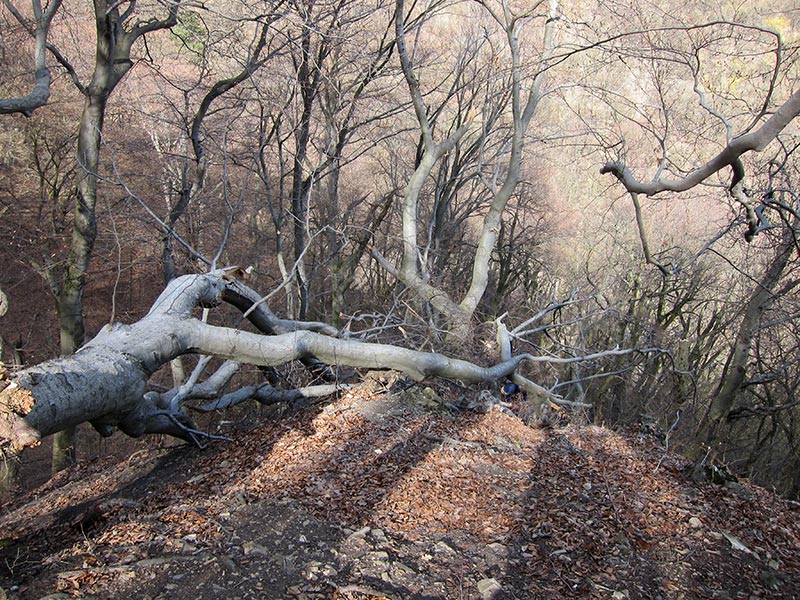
column 266, row 394
column 755, row 141
column 40, row 93
column 637, row 207
column 520, row 329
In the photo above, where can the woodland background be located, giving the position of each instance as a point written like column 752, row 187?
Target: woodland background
column 282, row 135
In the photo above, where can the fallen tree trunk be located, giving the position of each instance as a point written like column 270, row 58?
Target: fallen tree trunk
column 104, row 383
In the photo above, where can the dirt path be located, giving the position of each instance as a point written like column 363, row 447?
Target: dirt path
column 396, row 496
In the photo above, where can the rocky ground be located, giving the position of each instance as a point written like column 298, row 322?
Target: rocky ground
column 397, row 494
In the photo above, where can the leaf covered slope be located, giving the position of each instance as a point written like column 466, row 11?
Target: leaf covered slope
column 393, row 495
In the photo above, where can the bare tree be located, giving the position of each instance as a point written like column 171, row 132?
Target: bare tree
column 458, row 315
column 765, row 128
column 190, row 179
column 117, row 30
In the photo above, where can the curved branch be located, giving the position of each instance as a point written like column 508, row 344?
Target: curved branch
column 262, row 350
column 259, row 314
column 40, row 93
column 266, row 394
column 755, row 141
column 648, row 257
column 411, row 79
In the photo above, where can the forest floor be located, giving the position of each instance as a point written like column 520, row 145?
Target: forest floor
column 393, row 495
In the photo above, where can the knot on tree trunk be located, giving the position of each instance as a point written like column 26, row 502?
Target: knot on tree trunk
column 15, row 403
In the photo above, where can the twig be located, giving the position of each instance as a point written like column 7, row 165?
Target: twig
column 678, row 415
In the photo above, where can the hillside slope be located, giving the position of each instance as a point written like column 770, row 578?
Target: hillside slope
column 390, row 495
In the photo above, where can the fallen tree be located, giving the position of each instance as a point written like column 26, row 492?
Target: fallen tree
column 105, row 382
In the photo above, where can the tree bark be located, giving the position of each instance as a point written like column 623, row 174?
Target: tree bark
column 112, row 62
column 40, row 93
column 104, row 383
column 735, row 371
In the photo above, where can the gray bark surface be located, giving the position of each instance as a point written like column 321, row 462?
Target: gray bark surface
column 105, row 381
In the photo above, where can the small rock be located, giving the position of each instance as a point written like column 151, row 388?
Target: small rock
column 149, row 562
column 587, row 486
column 443, row 548
column 329, row 571
column 497, row 548
column 253, row 548
column 738, row 490
column 360, row 533
column 187, row 548
column 496, row 553
column 489, row 588
column 379, row 536
column 403, row 568
column 695, row 523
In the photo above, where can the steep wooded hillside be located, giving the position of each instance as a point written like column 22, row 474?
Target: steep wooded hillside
column 391, row 491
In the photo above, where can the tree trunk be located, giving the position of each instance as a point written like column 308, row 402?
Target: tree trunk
column 735, row 371
column 112, row 62
column 458, row 316
column 308, row 76
column 104, row 382
column 84, row 232
column 760, row 300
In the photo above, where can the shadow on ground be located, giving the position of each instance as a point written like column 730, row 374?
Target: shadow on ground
column 398, row 495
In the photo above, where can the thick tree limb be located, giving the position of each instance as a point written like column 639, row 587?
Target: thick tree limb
column 754, row 141
column 105, row 381
column 278, row 350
